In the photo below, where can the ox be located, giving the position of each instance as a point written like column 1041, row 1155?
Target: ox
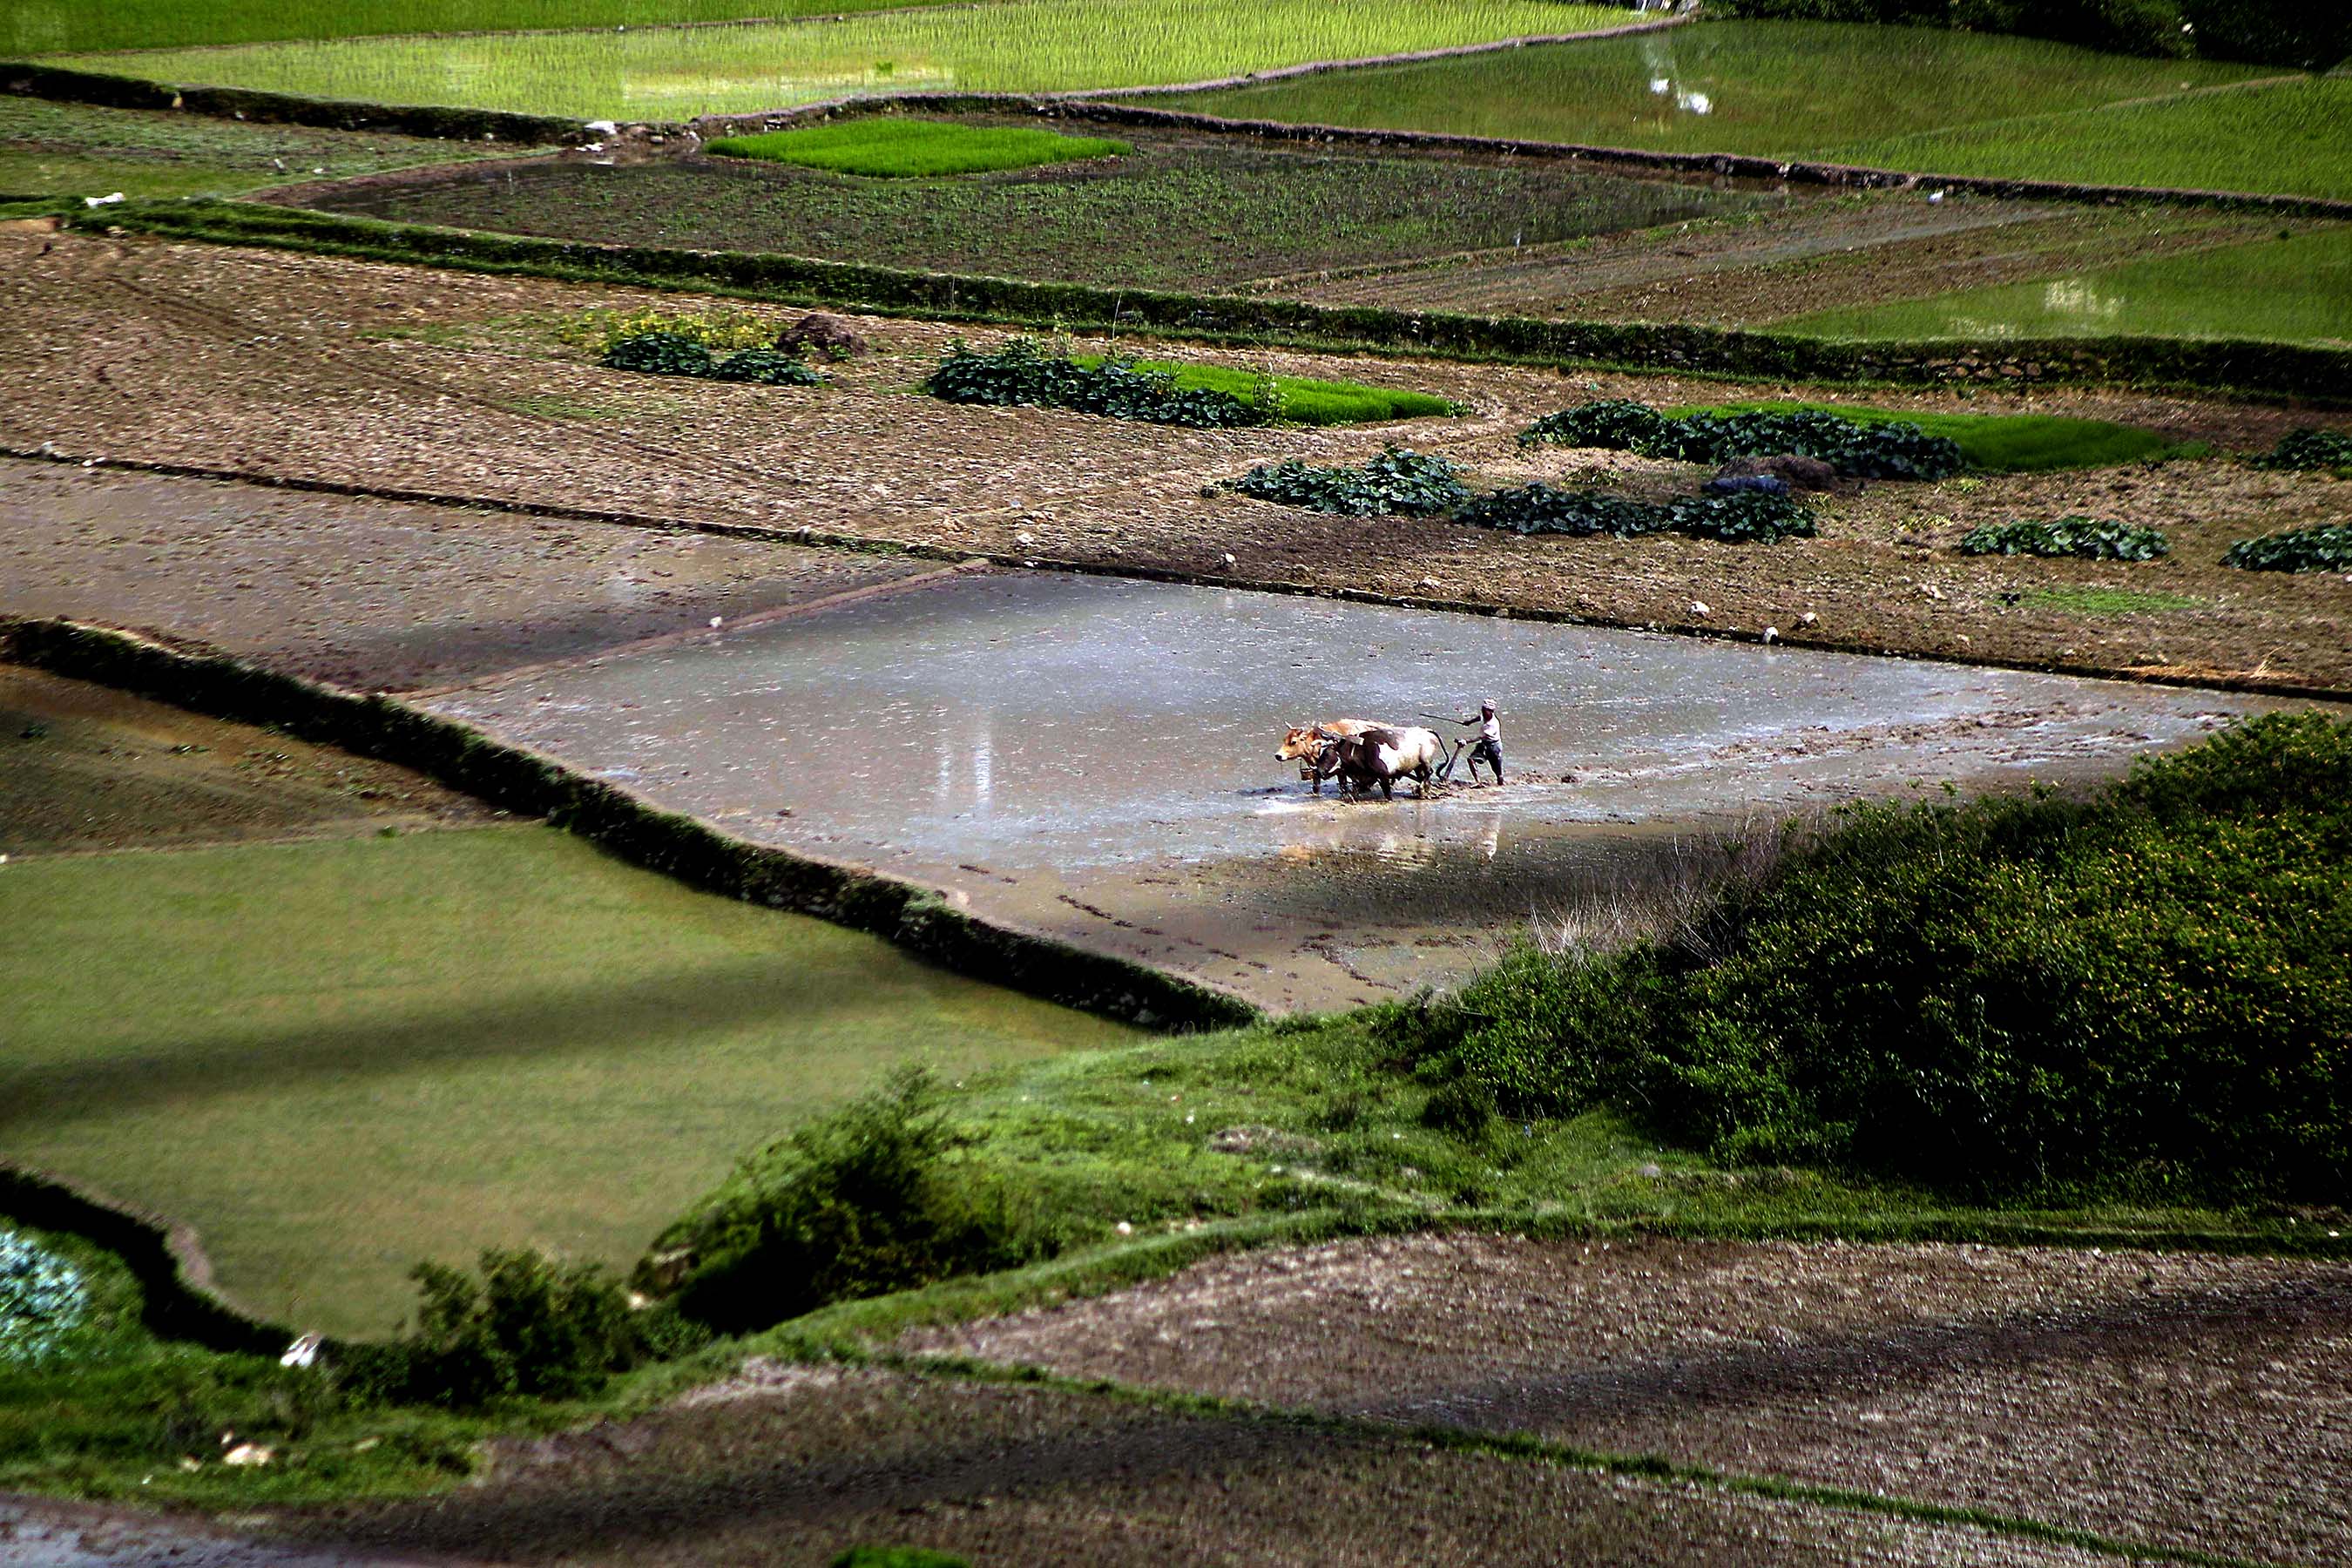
column 1381, row 757
column 1306, row 746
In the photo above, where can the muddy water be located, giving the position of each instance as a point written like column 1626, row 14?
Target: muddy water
column 1097, row 758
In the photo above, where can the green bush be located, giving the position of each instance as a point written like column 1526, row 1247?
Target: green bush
column 1881, row 450
column 1748, row 517
column 2123, row 27
column 2310, row 34
column 2325, row 547
column 771, row 367
column 1023, row 371
column 529, row 1327
column 1398, row 480
column 862, row 1202
column 896, row 1557
column 43, row 1302
column 2087, row 537
column 660, row 353
column 2309, row 448
column 2147, row 990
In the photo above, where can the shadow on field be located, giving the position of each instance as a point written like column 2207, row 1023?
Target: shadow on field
column 581, row 1021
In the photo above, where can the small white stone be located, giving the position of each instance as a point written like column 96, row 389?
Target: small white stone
column 1229, row 558
column 716, row 620
column 1698, row 607
column 1809, row 619
column 1771, row 634
column 1124, row 1228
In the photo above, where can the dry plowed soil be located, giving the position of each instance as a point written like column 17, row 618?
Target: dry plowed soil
column 285, row 366
column 2166, row 1399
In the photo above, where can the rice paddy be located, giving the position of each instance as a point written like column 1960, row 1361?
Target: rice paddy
column 56, row 26
column 911, row 149
column 337, row 1057
column 1018, row 45
column 74, row 150
column 2295, row 288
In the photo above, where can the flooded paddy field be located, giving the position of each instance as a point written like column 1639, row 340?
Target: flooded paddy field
column 1096, row 759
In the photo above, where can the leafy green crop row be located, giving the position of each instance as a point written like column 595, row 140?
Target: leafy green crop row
column 2309, row 448
column 2087, row 537
column 1743, row 518
column 1398, row 480
column 1022, row 371
column 1886, row 449
column 669, row 353
column 2325, row 547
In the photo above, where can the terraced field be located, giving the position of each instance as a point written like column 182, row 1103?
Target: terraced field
column 1025, row 46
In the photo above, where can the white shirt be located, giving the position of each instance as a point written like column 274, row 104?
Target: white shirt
column 1492, row 730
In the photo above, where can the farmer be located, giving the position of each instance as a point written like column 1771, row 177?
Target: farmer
column 1490, row 749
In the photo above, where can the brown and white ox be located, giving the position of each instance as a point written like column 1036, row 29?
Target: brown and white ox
column 1382, row 755
column 1307, row 745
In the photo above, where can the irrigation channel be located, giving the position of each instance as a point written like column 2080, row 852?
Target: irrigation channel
column 1095, row 759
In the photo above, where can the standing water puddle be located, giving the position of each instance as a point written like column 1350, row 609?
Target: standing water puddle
column 1096, row 758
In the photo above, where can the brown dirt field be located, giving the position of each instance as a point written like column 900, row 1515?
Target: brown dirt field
column 85, row 767
column 277, row 365
column 2183, row 1400
column 791, row 1465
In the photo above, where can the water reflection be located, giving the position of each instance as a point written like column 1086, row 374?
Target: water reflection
column 1658, row 61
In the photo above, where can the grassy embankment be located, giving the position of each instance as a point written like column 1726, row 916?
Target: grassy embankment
column 337, row 1059
column 1922, row 99
column 1242, row 212
column 72, row 150
column 1996, row 443
column 915, row 149
column 1017, row 45
column 2293, row 289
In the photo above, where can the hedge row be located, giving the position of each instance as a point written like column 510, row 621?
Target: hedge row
column 22, row 79
column 672, row 843
column 2270, row 369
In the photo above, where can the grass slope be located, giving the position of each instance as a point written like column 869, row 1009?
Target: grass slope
column 1305, row 401
column 1771, row 88
column 2296, row 290
column 1996, row 443
column 337, row 1059
column 47, row 27
column 1022, row 45
column 1242, row 212
column 904, row 149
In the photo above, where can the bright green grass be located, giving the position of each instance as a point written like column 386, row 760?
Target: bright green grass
column 335, row 1059
column 1999, row 443
column 51, row 26
column 1771, row 89
column 1020, row 45
column 74, row 150
column 1305, row 401
column 2290, row 138
column 2297, row 289
column 913, row 148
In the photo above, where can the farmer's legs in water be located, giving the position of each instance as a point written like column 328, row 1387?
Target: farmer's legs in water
column 1490, row 754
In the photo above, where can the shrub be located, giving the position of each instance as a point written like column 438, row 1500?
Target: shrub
column 2146, row 991
column 2325, row 547
column 660, row 353
column 896, row 1557
column 531, row 1327
column 1745, row 518
column 718, row 330
column 1892, row 449
column 2086, row 537
column 865, row 1201
column 1398, row 480
column 1022, row 371
column 772, row 367
column 2309, row 449
column 2310, row 34
column 43, row 1300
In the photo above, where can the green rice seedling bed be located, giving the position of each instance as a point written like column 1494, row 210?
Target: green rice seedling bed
column 53, row 27
column 1019, row 46
column 1996, row 443
column 913, row 149
column 1303, row 400
column 1785, row 90
column 1177, row 212
column 2297, row 289
column 337, row 1059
